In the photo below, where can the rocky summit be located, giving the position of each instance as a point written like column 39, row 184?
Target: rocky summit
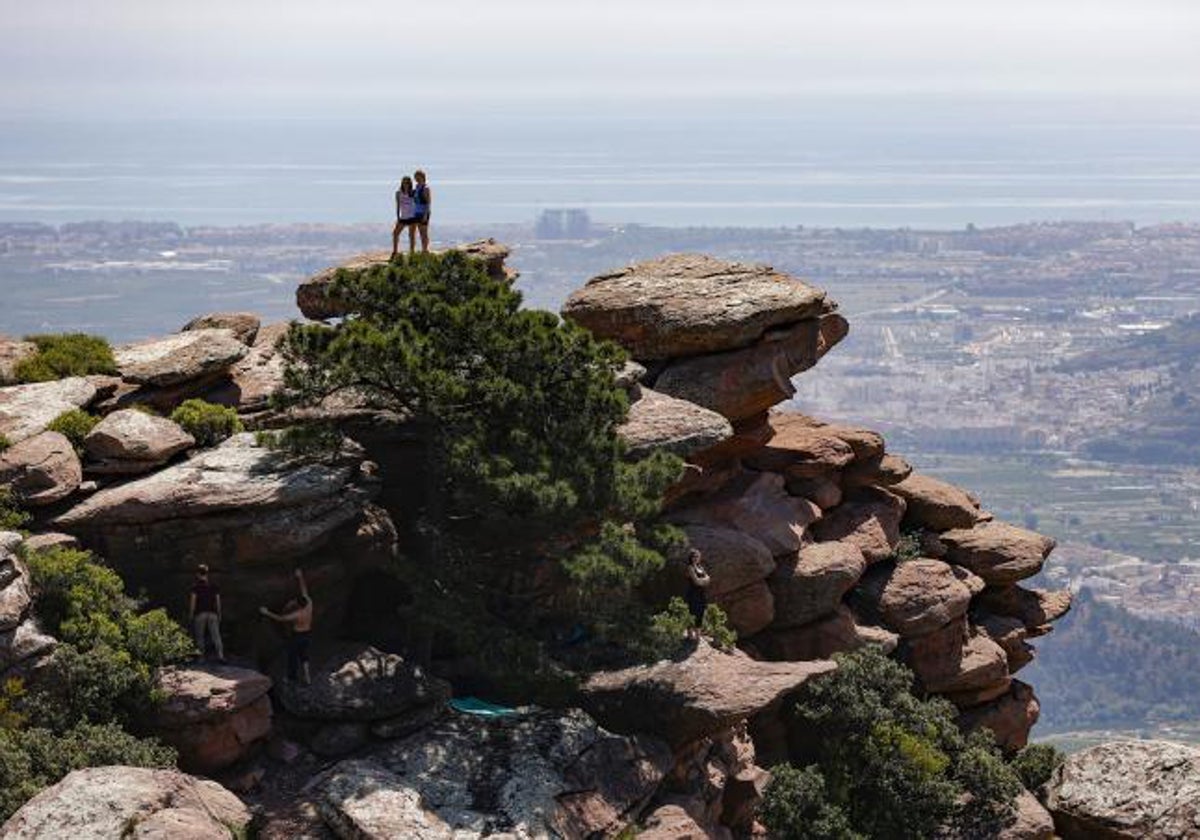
column 818, row 540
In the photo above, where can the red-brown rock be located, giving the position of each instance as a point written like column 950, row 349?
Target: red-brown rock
column 936, row 504
column 870, row 519
column 811, row 584
column 914, row 597
column 757, row 504
column 836, row 633
column 1010, row 717
column 997, row 552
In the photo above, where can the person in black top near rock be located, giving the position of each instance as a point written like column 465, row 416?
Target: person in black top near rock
column 204, row 611
column 423, row 198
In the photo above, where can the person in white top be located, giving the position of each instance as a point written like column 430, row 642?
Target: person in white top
column 406, row 216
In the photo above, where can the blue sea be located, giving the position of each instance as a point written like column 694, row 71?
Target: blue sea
column 898, row 166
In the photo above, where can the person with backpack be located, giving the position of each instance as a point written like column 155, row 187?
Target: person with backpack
column 406, row 216
column 423, row 199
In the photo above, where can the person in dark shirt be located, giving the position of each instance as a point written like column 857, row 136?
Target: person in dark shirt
column 423, row 207
column 695, row 595
column 204, row 611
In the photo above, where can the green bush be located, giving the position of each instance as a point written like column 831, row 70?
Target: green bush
column 74, row 425
column 715, row 625
column 207, row 422
column 897, row 765
column 908, row 548
column 796, row 806
column 1036, row 763
column 103, row 670
column 5, row 443
column 32, row 759
column 60, row 356
column 12, row 517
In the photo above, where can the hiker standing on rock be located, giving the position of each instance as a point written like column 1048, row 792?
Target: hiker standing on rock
column 696, row 597
column 299, row 615
column 406, row 216
column 204, row 612
column 423, row 197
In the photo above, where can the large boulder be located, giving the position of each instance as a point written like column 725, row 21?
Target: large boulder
column 936, row 504
column 131, row 441
column 801, row 448
column 41, row 470
column 687, row 304
column 749, row 609
column 352, row 681
column 811, row 584
column 315, row 301
column 533, row 774
column 869, row 519
column 1127, row 790
column 1032, row 607
column 1008, row 632
column 185, row 357
column 743, row 383
column 15, row 588
column 255, row 379
column 952, row 660
column 997, row 552
column 686, row 699
column 130, row 803
column 1010, row 717
column 657, row 421
column 22, row 644
column 757, row 504
column 733, row 558
column 212, row 714
column 914, row 597
column 243, row 325
column 26, row 410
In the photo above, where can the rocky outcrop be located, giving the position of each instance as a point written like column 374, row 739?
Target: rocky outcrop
column 352, row 681
column 839, row 632
column 999, row 553
column 812, row 584
column 26, row 410
column 243, row 325
column 198, row 354
column 1010, row 717
column 687, row 304
column 914, row 597
column 757, row 504
column 869, row 519
column 315, row 301
column 936, row 505
column 212, row 714
column 255, row 379
column 1124, row 790
column 250, row 513
column 41, row 470
column 129, row 441
column 535, row 774
column 130, row 803
column 22, row 644
column 12, row 353
column 687, row 699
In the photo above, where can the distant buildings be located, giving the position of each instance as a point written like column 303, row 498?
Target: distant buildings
column 572, row 223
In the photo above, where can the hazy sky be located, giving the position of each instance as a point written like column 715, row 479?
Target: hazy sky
column 307, row 56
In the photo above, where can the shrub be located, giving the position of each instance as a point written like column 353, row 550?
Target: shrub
column 898, row 766
column 797, row 807
column 103, row 670
column 667, row 630
column 715, row 625
column 5, row 443
column 59, row 356
column 908, row 548
column 74, row 425
column 32, row 759
column 1036, row 763
column 207, row 422
column 12, row 517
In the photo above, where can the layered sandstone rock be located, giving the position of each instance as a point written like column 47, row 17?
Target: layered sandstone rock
column 41, row 470
column 22, row 644
column 198, row 354
column 243, row 325
column 657, row 421
column 114, row 803
column 26, row 410
column 128, row 442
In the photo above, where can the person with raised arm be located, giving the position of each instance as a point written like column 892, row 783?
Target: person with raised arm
column 298, row 615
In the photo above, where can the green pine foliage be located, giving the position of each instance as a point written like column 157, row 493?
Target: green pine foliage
column 60, row 356
column 517, row 412
column 207, row 422
column 797, row 807
column 1036, row 763
column 12, row 517
column 74, row 425
column 895, row 765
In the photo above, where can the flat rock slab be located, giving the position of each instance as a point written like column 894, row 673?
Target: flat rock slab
column 183, row 357
column 658, row 421
column 686, row 699
column 1124, row 790
column 41, row 470
column 998, row 552
column 1032, row 607
column 194, row 694
column 244, row 325
column 687, row 304
column 106, row 803
column 527, row 775
column 26, row 410
column 356, row 682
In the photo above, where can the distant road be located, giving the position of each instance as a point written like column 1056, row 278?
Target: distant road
column 906, row 307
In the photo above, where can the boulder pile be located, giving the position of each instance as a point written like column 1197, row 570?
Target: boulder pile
column 817, row 539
